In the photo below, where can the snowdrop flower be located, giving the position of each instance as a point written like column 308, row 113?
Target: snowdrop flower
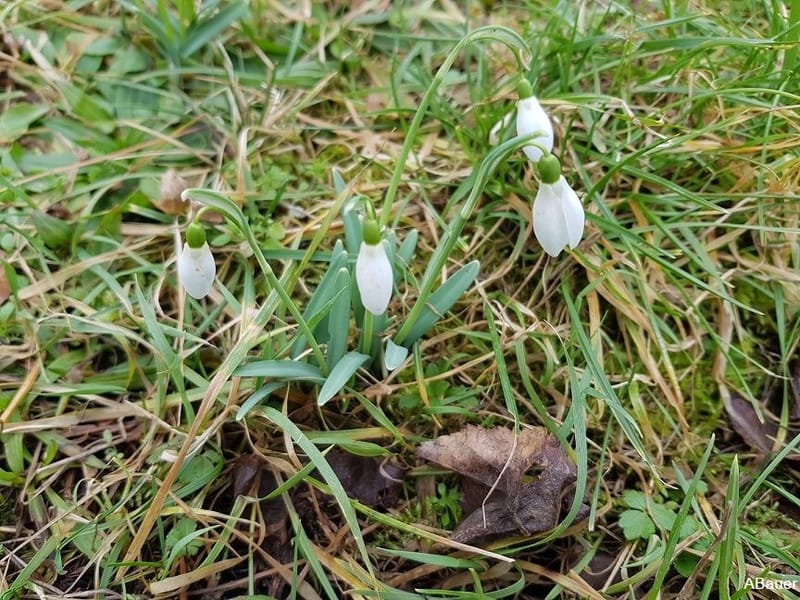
column 196, row 267
column 374, row 274
column 557, row 213
column 531, row 119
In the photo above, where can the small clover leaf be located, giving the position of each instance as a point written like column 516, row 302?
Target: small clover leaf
column 636, row 524
column 182, row 540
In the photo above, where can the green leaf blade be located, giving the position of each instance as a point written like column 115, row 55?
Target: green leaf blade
column 340, row 375
column 328, row 474
column 339, row 321
column 441, row 301
column 287, row 370
column 206, row 30
column 16, row 121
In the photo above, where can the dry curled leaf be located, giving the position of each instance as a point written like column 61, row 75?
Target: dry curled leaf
column 794, row 378
column 499, row 461
column 170, row 202
column 244, row 473
column 250, row 476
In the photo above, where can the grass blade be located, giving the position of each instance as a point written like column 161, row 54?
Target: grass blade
column 209, row 28
column 316, row 457
column 623, row 417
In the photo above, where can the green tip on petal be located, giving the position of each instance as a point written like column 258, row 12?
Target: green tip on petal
column 524, row 89
column 549, row 168
column 195, row 235
column 372, row 232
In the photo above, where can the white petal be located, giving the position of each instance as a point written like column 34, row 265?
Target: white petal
column 196, row 269
column 557, row 217
column 374, row 277
column 531, row 119
column 572, row 209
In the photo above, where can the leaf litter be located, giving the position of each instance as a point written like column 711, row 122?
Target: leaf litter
column 758, row 423
column 371, row 480
column 503, row 496
column 759, row 435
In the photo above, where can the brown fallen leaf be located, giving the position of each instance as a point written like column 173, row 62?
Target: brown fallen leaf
column 794, row 374
column 497, row 460
column 250, row 475
column 602, row 570
column 244, row 473
column 756, row 434
column 763, row 436
column 373, row 481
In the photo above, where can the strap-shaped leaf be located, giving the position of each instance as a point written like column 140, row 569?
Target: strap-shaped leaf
column 328, row 474
column 339, row 320
column 286, row 370
column 345, row 440
column 353, row 234
column 338, row 181
column 257, row 397
column 340, row 375
column 452, row 233
column 219, row 202
column 441, row 301
column 320, row 301
column 209, row 28
column 394, row 356
column 406, row 250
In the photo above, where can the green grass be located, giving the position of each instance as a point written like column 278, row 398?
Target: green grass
column 126, row 407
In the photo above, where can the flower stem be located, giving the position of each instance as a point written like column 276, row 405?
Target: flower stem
column 450, row 238
column 276, row 285
column 367, row 332
column 224, row 205
column 491, row 32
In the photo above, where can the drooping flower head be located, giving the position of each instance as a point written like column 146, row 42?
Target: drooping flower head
column 196, row 267
column 374, row 274
column 558, row 215
column 532, row 120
